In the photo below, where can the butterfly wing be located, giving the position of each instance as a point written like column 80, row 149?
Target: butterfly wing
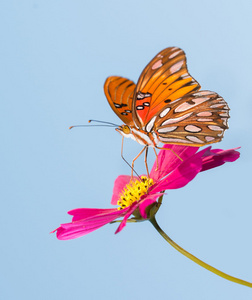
column 164, row 80
column 119, row 92
column 196, row 119
column 167, row 101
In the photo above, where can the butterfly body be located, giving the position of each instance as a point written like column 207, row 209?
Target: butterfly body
column 166, row 105
column 140, row 136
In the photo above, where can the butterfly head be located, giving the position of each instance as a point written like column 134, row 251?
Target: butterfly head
column 130, row 132
column 124, row 130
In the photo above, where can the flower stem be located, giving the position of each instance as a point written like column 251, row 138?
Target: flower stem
column 195, row 259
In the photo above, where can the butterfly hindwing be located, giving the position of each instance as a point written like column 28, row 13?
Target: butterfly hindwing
column 119, row 92
column 164, row 80
column 196, row 119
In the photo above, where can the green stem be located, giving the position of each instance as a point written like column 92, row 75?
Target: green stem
column 195, row 259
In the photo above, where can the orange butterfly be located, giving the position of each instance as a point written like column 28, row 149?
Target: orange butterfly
column 166, row 105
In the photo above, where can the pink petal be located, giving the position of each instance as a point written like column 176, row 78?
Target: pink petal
column 119, row 185
column 181, row 175
column 217, row 157
column 168, row 161
column 76, row 231
column 148, row 201
column 84, row 213
column 127, row 215
column 86, row 225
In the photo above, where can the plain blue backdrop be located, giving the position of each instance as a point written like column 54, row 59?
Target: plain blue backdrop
column 55, row 57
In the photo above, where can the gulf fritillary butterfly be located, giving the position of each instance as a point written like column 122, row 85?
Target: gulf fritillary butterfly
column 166, row 105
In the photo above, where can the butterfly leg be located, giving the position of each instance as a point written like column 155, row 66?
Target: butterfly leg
column 156, row 158
column 132, row 169
column 133, row 161
column 145, row 160
column 160, row 148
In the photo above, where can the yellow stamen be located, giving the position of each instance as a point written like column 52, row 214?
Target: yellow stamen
column 133, row 191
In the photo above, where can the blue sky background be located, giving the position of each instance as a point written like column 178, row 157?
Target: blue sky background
column 55, row 56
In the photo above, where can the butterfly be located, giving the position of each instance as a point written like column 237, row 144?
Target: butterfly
column 166, row 105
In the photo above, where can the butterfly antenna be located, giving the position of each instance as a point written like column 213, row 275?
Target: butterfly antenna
column 103, row 122
column 90, row 126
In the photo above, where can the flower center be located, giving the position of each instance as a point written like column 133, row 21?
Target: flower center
column 133, row 191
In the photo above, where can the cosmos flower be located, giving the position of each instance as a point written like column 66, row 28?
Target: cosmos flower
column 138, row 196
column 142, row 197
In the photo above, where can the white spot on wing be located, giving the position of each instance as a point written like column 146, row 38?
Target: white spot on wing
column 223, row 114
column 185, row 106
column 164, row 112
column 203, row 93
column 192, row 128
column 209, row 138
column 204, row 114
column 216, row 105
column 157, row 64
column 204, row 120
column 156, row 141
column 214, row 127
column 174, row 54
column 150, row 124
column 194, row 139
column 167, row 129
column 224, row 121
column 176, row 67
column 175, row 120
column 185, row 76
column 174, row 140
column 140, row 95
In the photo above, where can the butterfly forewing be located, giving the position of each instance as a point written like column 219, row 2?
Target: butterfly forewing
column 119, row 92
column 164, row 80
column 196, row 119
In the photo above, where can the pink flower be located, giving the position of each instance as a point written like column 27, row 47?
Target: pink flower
column 137, row 196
